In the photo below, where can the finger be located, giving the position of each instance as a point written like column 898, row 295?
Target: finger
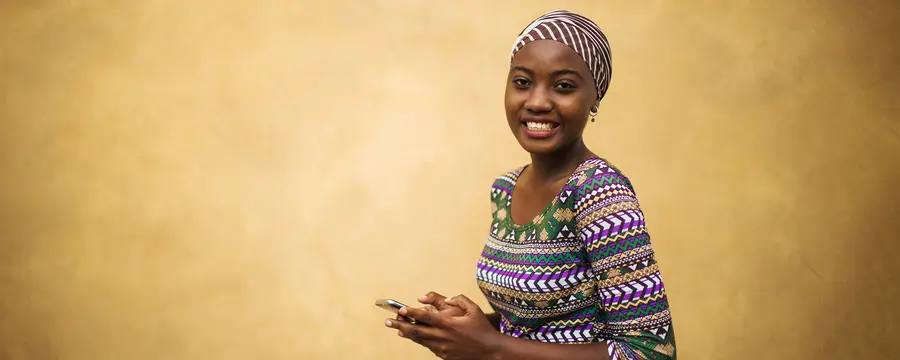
column 432, row 298
column 464, row 303
column 408, row 320
column 436, row 300
column 415, row 333
column 452, row 311
column 403, row 312
column 426, row 314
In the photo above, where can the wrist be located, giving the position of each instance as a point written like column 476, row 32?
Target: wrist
column 496, row 344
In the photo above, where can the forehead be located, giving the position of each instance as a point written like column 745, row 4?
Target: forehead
column 550, row 56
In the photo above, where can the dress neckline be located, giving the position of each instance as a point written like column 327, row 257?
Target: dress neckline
column 510, row 223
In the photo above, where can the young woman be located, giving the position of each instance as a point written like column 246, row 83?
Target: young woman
column 568, row 266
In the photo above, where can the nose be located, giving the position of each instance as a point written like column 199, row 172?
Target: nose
column 538, row 101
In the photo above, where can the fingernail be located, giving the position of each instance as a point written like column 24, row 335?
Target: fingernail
column 387, row 323
column 402, row 311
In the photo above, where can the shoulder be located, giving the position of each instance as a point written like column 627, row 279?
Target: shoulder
column 506, row 181
column 503, row 184
column 598, row 175
column 601, row 186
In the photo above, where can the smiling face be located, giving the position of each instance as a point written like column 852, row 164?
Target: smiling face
column 549, row 96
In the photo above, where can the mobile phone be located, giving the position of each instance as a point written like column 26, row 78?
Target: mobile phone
column 389, row 304
column 393, row 306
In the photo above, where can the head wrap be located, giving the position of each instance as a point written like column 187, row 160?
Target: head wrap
column 579, row 33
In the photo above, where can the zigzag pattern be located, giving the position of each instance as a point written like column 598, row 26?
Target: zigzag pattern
column 547, row 250
column 600, row 181
column 582, row 271
column 596, row 241
column 531, row 301
column 616, row 260
column 628, row 244
column 538, row 248
column 533, row 272
column 559, row 324
column 636, row 311
column 534, row 259
column 623, row 305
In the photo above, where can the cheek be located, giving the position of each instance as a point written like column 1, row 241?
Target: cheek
column 513, row 103
column 576, row 113
column 574, row 110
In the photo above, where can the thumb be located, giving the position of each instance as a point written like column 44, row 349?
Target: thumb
column 464, row 303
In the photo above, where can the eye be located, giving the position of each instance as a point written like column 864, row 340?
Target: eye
column 566, row 86
column 521, row 82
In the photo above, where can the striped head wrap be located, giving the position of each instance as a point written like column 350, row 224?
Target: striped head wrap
column 579, row 33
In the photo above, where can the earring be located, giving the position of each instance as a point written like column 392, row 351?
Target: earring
column 594, row 113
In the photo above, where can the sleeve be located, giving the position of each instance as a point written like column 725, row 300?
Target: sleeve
column 635, row 318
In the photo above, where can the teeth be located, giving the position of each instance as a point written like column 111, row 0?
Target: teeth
column 538, row 126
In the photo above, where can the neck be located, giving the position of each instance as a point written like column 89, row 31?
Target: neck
column 553, row 166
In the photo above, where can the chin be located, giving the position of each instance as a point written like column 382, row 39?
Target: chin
column 537, row 147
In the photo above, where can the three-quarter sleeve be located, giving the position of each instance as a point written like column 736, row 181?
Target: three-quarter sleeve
column 635, row 319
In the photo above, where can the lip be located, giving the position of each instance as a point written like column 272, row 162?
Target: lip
column 539, row 134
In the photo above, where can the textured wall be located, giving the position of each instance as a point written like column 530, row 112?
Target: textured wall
column 240, row 180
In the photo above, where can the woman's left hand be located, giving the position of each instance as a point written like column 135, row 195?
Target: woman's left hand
column 466, row 337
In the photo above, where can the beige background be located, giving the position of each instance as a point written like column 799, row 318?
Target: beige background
column 240, row 180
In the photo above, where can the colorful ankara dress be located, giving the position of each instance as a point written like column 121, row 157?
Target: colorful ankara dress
column 582, row 271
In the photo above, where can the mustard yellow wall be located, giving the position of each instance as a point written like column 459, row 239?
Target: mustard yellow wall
column 240, row 180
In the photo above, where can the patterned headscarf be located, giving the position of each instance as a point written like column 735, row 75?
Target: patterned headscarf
column 579, row 33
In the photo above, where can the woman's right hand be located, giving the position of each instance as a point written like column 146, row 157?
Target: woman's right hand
column 437, row 301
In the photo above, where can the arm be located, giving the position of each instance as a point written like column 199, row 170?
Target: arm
column 510, row 348
column 494, row 318
column 635, row 313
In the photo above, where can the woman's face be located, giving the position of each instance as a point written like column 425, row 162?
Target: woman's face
column 549, row 96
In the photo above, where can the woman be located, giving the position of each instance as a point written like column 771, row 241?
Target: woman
column 568, row 266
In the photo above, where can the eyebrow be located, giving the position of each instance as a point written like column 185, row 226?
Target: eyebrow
column 555, row 73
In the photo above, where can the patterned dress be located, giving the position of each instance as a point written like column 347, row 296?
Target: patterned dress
column 582, row 271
